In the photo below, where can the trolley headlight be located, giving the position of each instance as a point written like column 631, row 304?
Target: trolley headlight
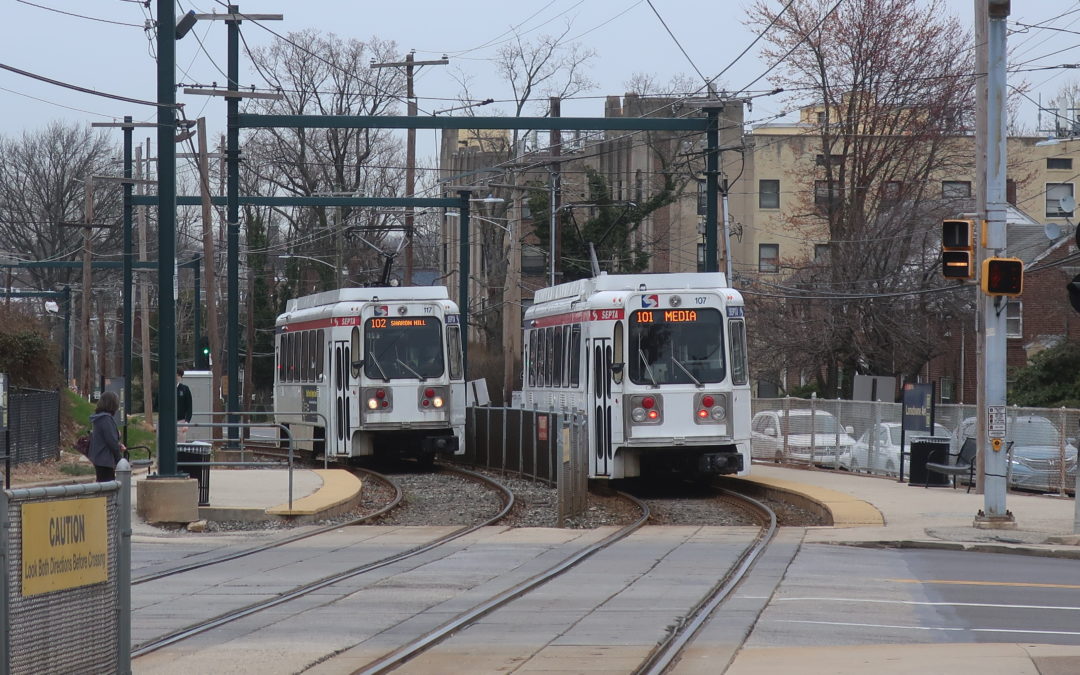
column 437, row 401
column 638, row 414
column 718, row 413
column 373, row 404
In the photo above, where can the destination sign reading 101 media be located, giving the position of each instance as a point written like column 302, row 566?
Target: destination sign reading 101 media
column 398, row 323
column 668, row 315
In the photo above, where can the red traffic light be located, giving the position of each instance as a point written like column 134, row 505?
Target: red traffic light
column 1003, row 276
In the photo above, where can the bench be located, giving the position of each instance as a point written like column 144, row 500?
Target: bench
column 963, row 463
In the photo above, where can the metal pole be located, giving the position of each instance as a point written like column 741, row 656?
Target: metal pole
column 166, row 117
column 67, row 335
column 5, row 584
column 196, row 269
column 727, row 234
column 992, row 381
column 128, row 314
column 232, row 216
column 712, row 170
column 463, row 279
column 123, row 569
column 552, row 225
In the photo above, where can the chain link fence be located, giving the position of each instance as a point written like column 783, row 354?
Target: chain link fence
column 866, row 437
column 34, row 426
column 545, row 446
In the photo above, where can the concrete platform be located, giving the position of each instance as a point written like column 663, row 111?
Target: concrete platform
column 254, row 495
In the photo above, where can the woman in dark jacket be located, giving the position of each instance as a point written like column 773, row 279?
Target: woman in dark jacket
column 105, row 445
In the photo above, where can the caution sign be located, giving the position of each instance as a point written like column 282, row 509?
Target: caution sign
column 64, row 545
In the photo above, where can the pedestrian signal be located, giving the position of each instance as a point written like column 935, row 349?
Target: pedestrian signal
column 958, row 249
column 1003, row 276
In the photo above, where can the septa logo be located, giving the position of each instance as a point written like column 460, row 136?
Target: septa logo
column 650, row 301
column 381, row 310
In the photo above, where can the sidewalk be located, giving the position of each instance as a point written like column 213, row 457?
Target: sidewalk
column 939, row 517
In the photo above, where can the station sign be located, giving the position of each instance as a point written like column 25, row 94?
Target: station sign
column 64, row 544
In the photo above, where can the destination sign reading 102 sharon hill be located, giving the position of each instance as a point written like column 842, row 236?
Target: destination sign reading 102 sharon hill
column 64, row 545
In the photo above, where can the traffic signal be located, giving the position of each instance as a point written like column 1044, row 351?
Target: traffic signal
column 958, row 249
column 202, row 354
column 1074, row 292
column 1003, row 276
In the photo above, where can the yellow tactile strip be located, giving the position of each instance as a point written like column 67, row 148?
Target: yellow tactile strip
column 840, row 509
column 339, row 490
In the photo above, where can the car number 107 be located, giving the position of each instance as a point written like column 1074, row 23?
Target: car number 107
column 701, row 300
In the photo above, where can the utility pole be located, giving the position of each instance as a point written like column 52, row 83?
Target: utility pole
column 410, row 149
column 209, row 271
column 144, row 290
column 991, row 16
column 555, row 240
column 87, row 284
column 511, row 312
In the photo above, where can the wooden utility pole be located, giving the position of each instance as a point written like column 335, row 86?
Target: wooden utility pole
column 209, row 271
column 410, row 149
column 144, row 291
column 88, row 224
column 554, row 238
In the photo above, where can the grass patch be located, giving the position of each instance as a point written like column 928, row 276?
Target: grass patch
column 138, row 432
column 77, row 470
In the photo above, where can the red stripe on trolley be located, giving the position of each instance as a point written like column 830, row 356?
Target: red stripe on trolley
column 578, row 317
column 331, row 322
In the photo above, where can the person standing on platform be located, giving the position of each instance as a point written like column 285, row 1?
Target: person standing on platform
column 105, row 446
column 183, row 405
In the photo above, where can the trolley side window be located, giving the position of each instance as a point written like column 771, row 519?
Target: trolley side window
column 676, row 346
column 403, row 348
column 305, row 352
column 530, row 357
column 279, row 344
column 354, row 344
column 557, row 361
column 453, row 345
column 549, row 355
column 575, row 355
column 320, row 355
column 737, row 335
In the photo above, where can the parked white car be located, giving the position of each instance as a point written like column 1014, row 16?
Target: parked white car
column 808, row 436
column 878, row 449
column 1036, row 453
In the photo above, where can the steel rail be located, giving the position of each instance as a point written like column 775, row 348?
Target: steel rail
column 398, row 496
column 669, row 650
column 300, row 591
column 428, row 640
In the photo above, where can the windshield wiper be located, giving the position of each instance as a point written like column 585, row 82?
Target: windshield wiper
column 376, row 362
column 648, row 370
column 676, row 361
column 408, row 368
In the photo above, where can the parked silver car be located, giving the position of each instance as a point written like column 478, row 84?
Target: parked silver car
column 1036, row 453
column 809, row 436
column 878, row 449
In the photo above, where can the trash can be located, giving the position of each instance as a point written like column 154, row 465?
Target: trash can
column 194, row 457
column 924, row 450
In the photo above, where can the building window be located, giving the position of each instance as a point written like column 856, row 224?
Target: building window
column 1014, row 321
column 1055, row 192
column 956, row 189
column 890, row 191
column 833, row 160
column 768, row 258
column 1059, row 163
column 821, row 252
column 533, row 261
column 701, row 258
column 768, row 194
column 948, row 389
column 821, row 117
column 826, row 193
column 702, row 198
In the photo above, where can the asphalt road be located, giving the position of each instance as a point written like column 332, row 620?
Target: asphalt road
column 838, row 595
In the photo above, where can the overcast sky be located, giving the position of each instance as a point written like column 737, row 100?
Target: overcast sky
column 627, row 35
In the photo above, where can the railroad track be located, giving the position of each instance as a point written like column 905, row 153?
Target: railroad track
column 507, row 500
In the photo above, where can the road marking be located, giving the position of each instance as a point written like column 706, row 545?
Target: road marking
column 941, row 628
column 927, row 603
column 961, row 582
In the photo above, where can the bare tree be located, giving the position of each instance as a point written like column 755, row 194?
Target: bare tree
column 321, row 74
column 893, row 83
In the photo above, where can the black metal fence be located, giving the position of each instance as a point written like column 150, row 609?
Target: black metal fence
column 545, row 446
column 33, row 426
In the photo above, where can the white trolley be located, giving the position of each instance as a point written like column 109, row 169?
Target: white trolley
column 655, row 362
column 362, row 371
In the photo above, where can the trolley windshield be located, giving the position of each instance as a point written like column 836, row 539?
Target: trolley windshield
column 403, row 348
column 676, row 346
